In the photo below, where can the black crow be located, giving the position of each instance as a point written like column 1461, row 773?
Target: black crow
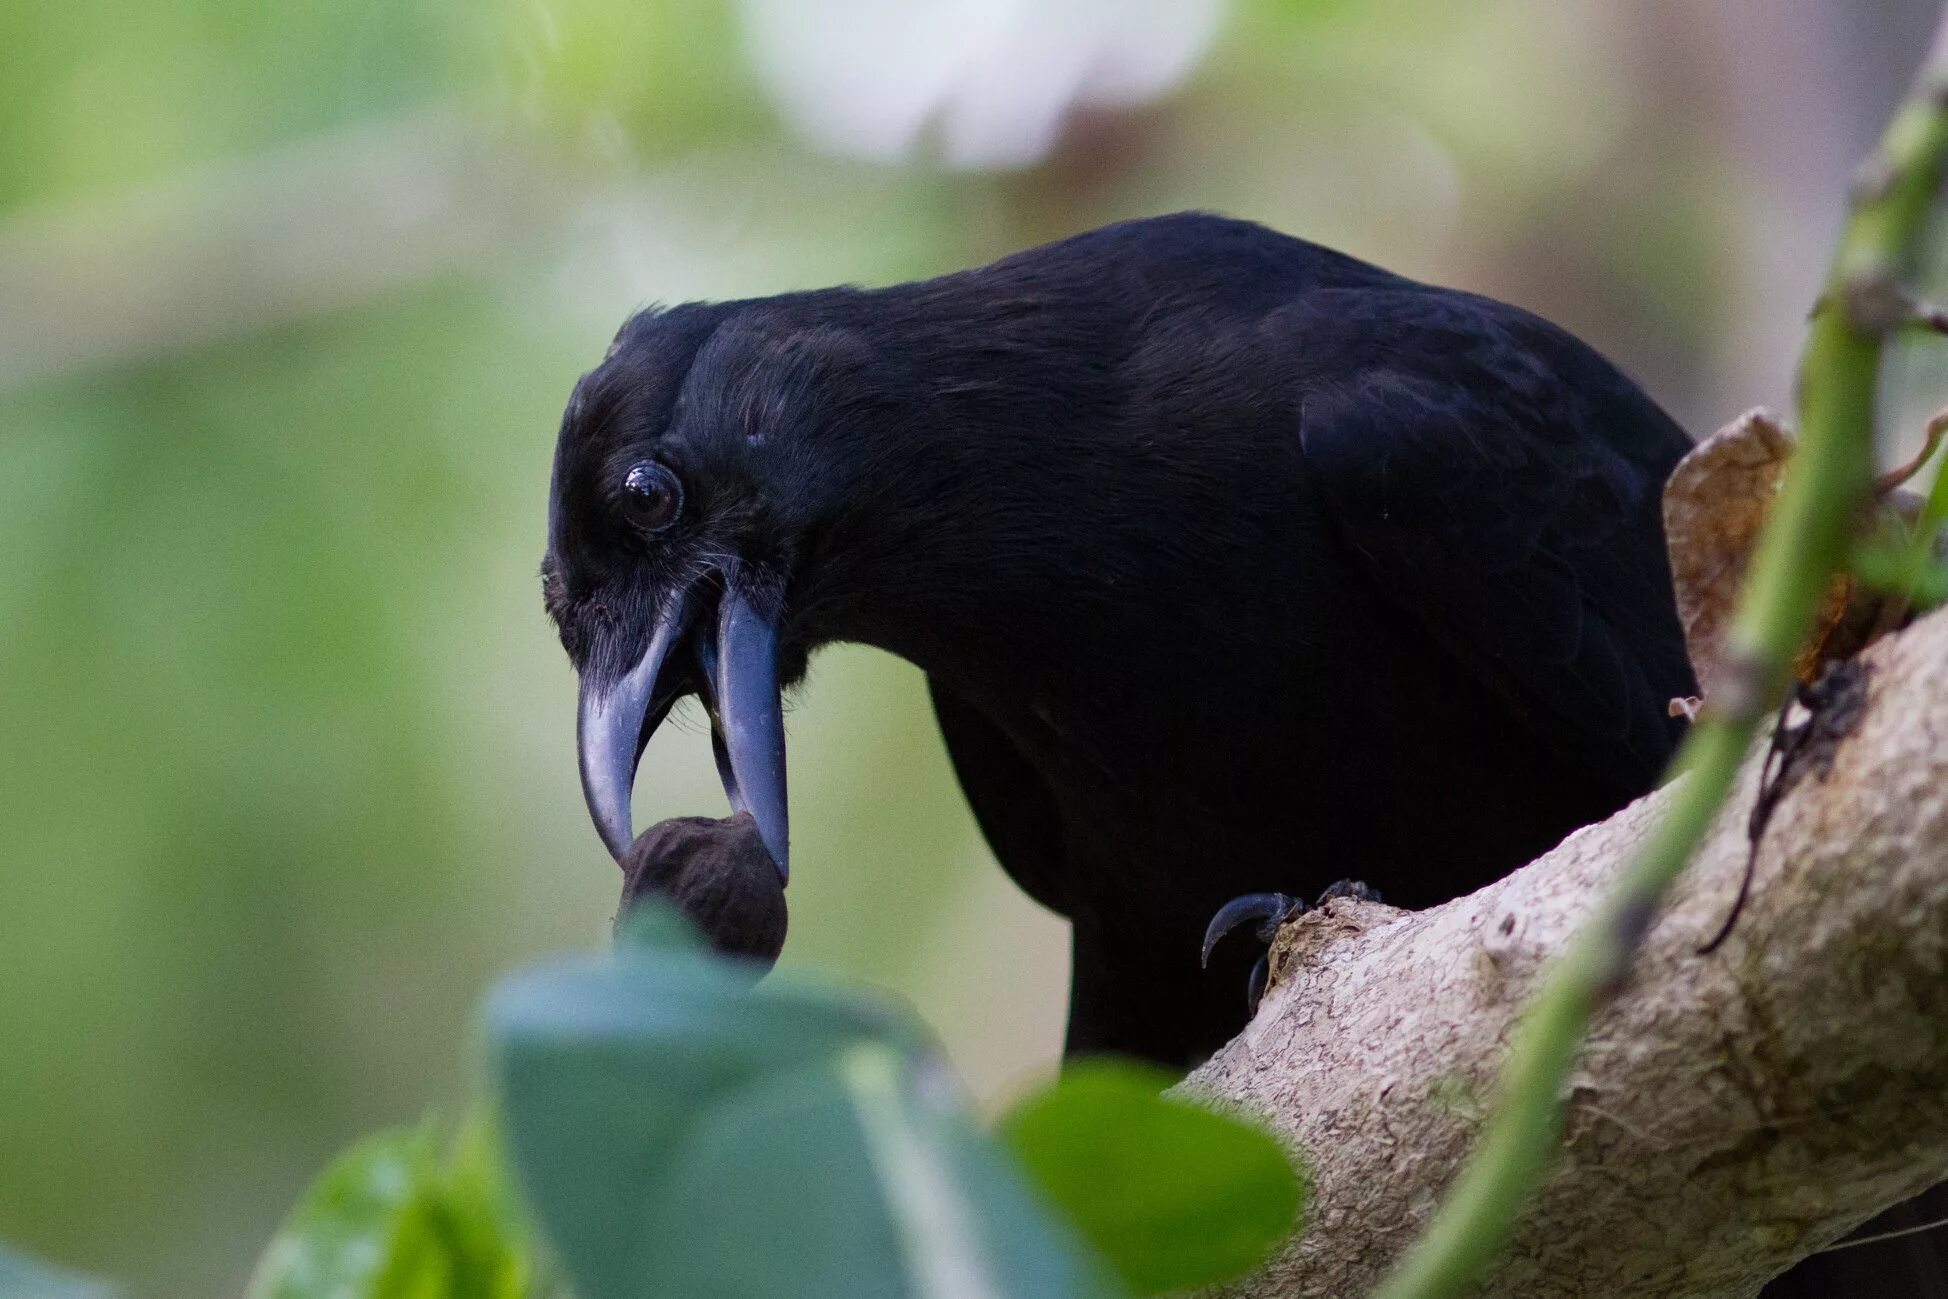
column 1234, row 564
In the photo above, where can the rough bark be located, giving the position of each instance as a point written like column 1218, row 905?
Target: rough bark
column 1731, row 1113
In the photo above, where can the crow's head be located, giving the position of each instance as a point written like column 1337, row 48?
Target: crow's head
column 697, row 486
column 964, row 472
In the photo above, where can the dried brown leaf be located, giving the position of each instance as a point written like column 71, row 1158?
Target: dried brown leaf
column 1715, row 507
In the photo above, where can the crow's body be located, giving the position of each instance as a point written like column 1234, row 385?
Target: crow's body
column 1234, row 564
column 1390, row 603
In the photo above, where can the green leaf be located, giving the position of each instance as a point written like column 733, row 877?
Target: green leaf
column 1171, row 1194
column 485, row 1228
column 679, row 1132
column 653, row 925
column 602, row 1063
column 1909, row 558
column 365, row 1228
column 1904, row 566
column 25, row 1278
column 388, row 1220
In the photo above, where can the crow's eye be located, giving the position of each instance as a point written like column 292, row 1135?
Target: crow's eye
column 651, row 496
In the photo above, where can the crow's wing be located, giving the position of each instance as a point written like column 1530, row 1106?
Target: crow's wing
column 1501, row 483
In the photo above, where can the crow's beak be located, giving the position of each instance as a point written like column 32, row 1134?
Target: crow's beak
column 734, row 665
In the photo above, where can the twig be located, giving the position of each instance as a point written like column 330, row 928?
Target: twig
column 1806, row 541
column 1771, row 790
column 1930, row 440
column 1929, row 316
column 1879, row 1236
column 1833, row 705
column 1919, row 552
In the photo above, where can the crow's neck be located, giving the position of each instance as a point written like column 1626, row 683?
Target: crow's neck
column 1019, row 513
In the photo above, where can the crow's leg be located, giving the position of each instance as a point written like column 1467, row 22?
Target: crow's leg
column 1137, row 991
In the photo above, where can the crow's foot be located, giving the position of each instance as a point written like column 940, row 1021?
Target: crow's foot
column 1270, row 911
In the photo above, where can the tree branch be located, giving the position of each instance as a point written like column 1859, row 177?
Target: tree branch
column 1807, row 541
column 1729, row 1113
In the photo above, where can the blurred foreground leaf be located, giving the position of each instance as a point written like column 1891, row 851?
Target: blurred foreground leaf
column 25, row 1278
column 390, row 1220
column 681, row 1132
column 1171, row 1194
column 1907, row 557
column 1897, row 567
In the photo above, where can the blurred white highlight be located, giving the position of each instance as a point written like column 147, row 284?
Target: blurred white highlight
column 993, row 79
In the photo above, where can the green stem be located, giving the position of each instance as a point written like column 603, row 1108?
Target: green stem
column 1806, row 541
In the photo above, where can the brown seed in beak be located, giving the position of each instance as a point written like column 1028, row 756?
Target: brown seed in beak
column 719, row 875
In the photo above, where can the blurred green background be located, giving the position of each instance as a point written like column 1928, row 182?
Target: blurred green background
column 290, row 298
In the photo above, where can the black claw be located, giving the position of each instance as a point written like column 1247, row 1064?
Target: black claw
column 1255, row 986
column 1359, row 890
column 1271, row 909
